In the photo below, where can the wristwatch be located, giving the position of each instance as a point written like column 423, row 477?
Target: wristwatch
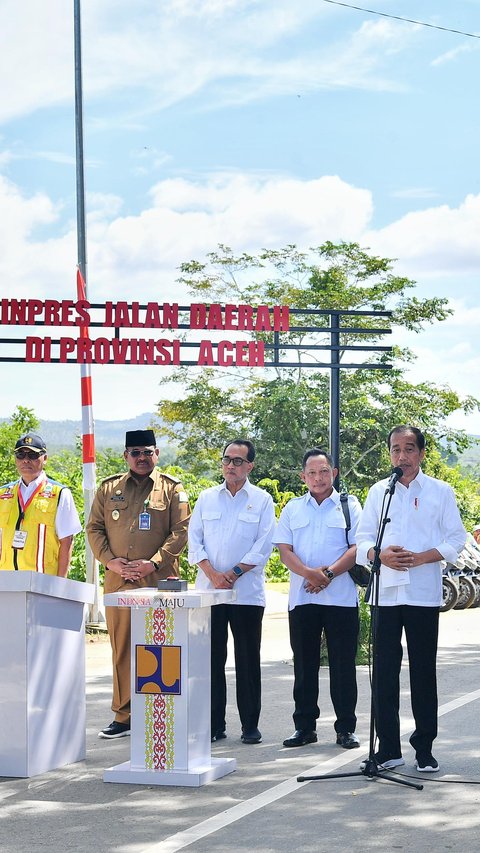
column 329, row 574
column 156, row 565
column 237, row 571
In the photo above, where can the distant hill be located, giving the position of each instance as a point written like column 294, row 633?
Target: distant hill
column 62, row 435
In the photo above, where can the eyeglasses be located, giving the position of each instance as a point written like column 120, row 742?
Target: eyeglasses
column 137, row 453
column 237, row 460
column 28, row 454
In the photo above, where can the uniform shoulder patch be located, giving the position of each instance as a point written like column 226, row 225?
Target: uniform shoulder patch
column 182, row 497
column 111, row 477
column 172, row 479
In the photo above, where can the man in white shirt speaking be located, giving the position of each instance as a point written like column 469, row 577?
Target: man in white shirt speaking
column 311, row 538
column 424, row 528
column 230, row 540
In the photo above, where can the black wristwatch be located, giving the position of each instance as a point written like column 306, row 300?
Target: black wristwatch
column 156, row 565
column 237, row 571
column 329, row 574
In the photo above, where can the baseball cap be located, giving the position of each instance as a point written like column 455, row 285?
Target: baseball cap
column 31, row 441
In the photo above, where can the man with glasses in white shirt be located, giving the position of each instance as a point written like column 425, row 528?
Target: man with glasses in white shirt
column 137, row 529
column 230, row 540
column 38, row 517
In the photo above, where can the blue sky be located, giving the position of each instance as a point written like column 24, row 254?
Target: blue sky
column 248, row 122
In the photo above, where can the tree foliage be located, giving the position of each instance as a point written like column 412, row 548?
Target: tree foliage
column 286, row 410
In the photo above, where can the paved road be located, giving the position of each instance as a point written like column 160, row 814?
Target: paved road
column 261, row 806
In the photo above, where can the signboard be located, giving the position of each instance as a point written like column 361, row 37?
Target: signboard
column 171, row 335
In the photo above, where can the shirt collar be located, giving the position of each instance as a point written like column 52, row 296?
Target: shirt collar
column 333, row 498
column 33, row 485
column 419, row 480
column 247, row 487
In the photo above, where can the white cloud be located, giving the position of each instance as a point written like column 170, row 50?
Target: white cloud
column 451, row 55
column 153, row 55
column 137, row 257
column 415, row 193
column 437, row 241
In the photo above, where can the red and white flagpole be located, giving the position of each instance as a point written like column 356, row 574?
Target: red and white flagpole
column 88, row 430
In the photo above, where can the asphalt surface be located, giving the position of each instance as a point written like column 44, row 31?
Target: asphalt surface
column 262, row 806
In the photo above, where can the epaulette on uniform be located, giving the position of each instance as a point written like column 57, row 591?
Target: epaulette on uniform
column 113, row 477
column 169, row 477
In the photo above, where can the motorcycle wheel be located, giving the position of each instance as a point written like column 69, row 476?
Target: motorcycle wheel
column 476, row 582
column 466, row 595
column 449, row 594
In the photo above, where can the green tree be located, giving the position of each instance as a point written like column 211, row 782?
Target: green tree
column 286, row 410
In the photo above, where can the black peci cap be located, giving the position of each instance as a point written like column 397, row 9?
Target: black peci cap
column 140, row 438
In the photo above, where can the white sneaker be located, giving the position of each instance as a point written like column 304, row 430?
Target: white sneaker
column 384, row 763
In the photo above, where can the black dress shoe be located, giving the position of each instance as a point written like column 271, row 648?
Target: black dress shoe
column 220, row 735
column 301, row 737
column 255, row 736
column 348, row 740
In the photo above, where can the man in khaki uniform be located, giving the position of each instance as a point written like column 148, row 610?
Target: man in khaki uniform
column 137, row 529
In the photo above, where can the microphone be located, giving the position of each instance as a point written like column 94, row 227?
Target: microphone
column 396, row 474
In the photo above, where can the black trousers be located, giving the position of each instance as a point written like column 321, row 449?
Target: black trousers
column 421, row 632
column 245, row 622
column 340, row 624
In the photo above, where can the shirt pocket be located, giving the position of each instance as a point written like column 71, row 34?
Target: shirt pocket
column 247, row 526
column 335, row 529
column 298, row 525
column 157, row 505
column 118, row 516
column 211, row 520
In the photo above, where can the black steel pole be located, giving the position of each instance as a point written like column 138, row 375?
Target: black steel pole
column 335, row 392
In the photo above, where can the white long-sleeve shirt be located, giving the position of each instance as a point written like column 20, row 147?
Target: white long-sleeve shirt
column 423, row 516
column 230, row 529
column 316, row 533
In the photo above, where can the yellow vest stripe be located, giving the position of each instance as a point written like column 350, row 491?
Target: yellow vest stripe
column 41, row 547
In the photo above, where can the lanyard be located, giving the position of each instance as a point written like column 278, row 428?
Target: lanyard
column 22, row 506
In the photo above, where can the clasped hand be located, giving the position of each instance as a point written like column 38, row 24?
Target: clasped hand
column 131, row 570
column 398, row 558
column 316, row 580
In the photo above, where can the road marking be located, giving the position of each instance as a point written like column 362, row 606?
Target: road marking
column 213, row 824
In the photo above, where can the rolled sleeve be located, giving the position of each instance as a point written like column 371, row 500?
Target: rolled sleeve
column 366, row 533
column 455, row 535
column 196, row 545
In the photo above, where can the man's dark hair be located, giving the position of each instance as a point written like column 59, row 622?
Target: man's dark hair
column 243, row 442
column 317, row 451
column 402, row 429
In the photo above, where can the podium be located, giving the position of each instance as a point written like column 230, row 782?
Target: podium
column 42, row 672
column 170, row 740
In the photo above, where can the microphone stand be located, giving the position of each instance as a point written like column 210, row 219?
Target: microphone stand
column 371, row 770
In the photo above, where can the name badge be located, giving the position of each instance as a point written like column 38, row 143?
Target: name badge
column 144, row 521
column 19, row 539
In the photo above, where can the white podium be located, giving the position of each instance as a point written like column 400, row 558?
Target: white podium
column 170, row 696
column 42, row 672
